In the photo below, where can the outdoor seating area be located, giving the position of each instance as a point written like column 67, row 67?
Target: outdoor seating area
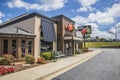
column 79, row 51
column 57, row 54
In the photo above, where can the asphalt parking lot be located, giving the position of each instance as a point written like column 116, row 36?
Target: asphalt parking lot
column 104, row 66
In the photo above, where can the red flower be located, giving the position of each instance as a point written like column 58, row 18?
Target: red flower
column 4, row 70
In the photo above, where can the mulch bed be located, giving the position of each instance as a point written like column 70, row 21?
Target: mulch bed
column 20, row 67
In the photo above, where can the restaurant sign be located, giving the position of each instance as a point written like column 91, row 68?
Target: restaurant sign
column 85, row 29
column 69, row 27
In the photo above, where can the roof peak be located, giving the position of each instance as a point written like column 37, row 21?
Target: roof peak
column 61, row 15
column 25, row 15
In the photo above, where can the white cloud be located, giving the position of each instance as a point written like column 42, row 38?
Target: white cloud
column 116, row 30
column 87, row 2
column 80, row 20
column 0, row 21
column 101, row 18
column 86, row 5
column 85, row 9
column 114, row 10
column 107, row 17
column 1, row 15
column 95, row 28
column 117, row 25
column 45, row 5
column 112, row 30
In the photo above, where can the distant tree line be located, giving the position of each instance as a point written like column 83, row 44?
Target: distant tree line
column 98, row 39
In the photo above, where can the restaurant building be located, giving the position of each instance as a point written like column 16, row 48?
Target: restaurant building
column 67, row 41
column 28, row 34
column 33, row 33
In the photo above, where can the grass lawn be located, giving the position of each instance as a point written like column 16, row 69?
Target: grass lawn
column 102, row 44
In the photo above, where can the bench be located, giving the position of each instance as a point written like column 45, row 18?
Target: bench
column 57, row 54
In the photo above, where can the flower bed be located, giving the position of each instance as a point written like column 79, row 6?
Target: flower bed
column 8, row 64
column 6, row 70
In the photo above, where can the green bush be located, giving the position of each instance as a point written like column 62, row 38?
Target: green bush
column 29, row 59
column 6, row 59
column 85, row 49
column 47, row 55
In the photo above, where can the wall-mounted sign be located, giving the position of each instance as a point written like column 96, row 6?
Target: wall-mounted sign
column 87, row 27
column 69, row 27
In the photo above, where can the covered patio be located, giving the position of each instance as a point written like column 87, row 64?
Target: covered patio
column 16, row 41
column 71, row 44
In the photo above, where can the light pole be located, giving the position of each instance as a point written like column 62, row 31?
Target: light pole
column 116, row 33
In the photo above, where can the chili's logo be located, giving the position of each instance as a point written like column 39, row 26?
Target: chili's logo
column 69, row 27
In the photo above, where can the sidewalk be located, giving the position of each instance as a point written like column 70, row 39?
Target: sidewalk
column 39, row 72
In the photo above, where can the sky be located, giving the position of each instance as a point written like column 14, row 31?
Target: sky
column 102, row 15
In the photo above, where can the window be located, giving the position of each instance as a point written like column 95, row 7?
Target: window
column 5, row 46
column 46, row 46
column 23, row 48
column 14, row 48
column 29, row 46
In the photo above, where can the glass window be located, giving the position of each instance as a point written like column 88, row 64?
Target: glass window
column 5, row 46
column 14, row 48
column 46, row 46
column 23, row 48
column 29, row 46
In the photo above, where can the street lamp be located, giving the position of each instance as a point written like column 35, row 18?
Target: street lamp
column 113, row 34
column 116, row 33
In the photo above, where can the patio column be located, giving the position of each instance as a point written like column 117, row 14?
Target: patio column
column 19, row 48
column 73, row 46
column 26, row 47
column 77, row 45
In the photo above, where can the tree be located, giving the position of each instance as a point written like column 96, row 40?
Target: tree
column 97, row 38
column 102, row 39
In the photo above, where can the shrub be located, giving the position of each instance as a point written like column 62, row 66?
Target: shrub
column 85, row 49
column 47, row 55
column 29, row 59
column 8, row 56
column 6, row 59
column 0, row 60
column 41, row 60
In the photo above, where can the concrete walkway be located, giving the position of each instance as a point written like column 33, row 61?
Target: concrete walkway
column 39, row 72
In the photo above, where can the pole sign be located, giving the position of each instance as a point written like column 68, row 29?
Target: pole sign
column 86, row 28
column 84, row 31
